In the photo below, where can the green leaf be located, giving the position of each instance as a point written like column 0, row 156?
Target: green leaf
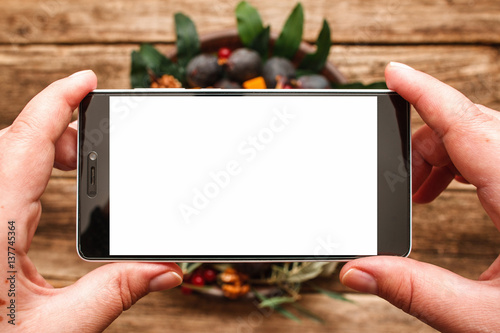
column 377, row 85
column 139, row 75
column 187, row 267
column 159, row 64
column 305, row 272
column 301, row 72
column 274, row 301
column 249, row 22
column 285, row 313
column 188, row 43
column 153, row 58
column 261, row 43
column 316, row 61
column 289, row 40
column 359, row 85
column 329, row 293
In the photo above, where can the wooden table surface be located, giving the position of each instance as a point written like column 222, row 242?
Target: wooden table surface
column 455, row 40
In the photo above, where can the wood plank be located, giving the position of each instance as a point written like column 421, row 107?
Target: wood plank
column 26, row 70
column 367, row 314
column 369, row 21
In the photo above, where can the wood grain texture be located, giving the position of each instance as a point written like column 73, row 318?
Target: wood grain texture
column 360, row 21
column 26, row 70
column 368, row 314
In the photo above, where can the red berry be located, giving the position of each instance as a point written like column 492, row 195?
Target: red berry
column 186, row 290
column 287, row 86
column 209, row 275
column 224, row 53
column 197, row 280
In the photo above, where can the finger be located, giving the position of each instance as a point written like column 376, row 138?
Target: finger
column 462, row 180
column 493, row 272
column 99, row 297
column 437, row 181
column 489, row 111
column 65, row 154
column 434, row 295
column 27, row 153
column 471, row 137
column 428, row 151
column 48, row 114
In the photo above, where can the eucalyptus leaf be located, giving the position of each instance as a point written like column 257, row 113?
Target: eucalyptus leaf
column 221, row 267
column 249, row 22
column 304, row 276
column 307, row 271
column 139, row 75
column 297, row 273
column 187, row 267
column 261, row 43
column 287, row 314
column 277, row 308
column 274, row 301
column 290, row 37
column 188, row 43
column 316, row 61
column 329, row 268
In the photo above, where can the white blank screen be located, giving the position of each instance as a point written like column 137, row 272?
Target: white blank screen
column 253, row 175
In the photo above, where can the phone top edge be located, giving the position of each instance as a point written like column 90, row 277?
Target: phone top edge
column 216, row 260
column 223, row 91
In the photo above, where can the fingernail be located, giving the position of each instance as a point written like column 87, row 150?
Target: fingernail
column 165, row 281
column 360, row 281
column 400, row 65
column 80, row 72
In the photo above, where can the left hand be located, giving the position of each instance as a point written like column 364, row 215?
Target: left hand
column 39, row 139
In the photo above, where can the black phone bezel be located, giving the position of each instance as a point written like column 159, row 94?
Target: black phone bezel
column 393, row 175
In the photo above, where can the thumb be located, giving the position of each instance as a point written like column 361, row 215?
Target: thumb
column 440, row 298
column 98, row 298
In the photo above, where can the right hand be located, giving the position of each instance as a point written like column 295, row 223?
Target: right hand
column 460, row 140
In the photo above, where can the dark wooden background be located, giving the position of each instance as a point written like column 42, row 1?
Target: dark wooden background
column 456, row 41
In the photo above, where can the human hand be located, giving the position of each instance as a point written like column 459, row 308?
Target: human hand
column 460, row 140
column 39, row 139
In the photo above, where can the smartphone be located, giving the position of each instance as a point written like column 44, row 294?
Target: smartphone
column 243, row 175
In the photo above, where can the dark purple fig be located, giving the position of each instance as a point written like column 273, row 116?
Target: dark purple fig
column 203, row 71
column 244, row 64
